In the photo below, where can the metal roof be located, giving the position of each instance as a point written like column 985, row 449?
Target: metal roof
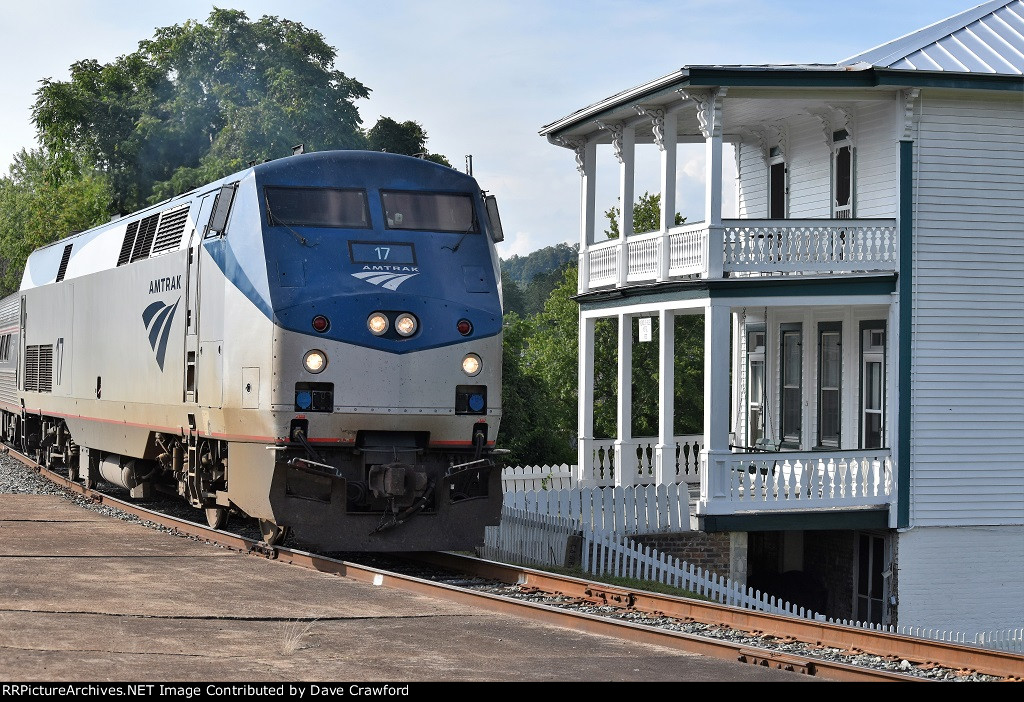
column 988, row 38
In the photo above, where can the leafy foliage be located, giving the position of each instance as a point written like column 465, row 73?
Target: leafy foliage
column 407, row 138
column 646, row 216
column 523, row 269
column 198, row 101
column 41, row 202
column 543, row 346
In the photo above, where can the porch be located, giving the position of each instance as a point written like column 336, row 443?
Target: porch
column 795, row 408
column 742, row 247
column 745, row 480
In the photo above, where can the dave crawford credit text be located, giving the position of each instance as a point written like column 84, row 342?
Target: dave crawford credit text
column 210, row 690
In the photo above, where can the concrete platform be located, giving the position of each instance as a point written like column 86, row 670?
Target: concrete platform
column 90, row 598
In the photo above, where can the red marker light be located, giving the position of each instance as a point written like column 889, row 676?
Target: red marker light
column 465, row 327
column 321, row 323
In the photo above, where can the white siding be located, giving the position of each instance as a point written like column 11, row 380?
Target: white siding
column 752, row 183
column 967, row 427
column 810, row 170
column 876, row 161
column 965, row 579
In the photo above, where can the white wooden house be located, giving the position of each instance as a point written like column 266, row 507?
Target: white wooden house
column 863, row 315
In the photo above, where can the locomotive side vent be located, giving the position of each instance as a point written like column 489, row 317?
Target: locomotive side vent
column 39, row 368
column 144, row 240
column 172, row 226
column 128, row 244
column 65, row 257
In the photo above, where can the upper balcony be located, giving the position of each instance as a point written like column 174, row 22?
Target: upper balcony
column 815, row 187
column 742, row 247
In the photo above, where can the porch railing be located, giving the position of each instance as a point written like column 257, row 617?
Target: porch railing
column 749, row 247
column 634, row 462
column 798, row 480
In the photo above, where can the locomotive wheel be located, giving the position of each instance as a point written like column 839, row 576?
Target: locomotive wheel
column 272, row 533
column 216, row 517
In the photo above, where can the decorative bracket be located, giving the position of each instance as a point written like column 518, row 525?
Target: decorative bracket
column 709, row 109
column 657, row 116
column 759, row 137
column 832, row 119
column 909, row 98
column 578, row 146
column 616, row 131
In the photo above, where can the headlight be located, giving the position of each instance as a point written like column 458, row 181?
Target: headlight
column 471, row 364
column 406, row 324
column 377, row 323
column 314, row 361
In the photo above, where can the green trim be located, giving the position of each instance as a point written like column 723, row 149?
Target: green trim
column 787, row 77
column 732, row 288
column 796, row 521
column 906, row 301
column 727, row 288
column 943, row 79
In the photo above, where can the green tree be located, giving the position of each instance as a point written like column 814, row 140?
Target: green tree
column 528, row 408
column 646, row 216
column 407, row 138
column 198, row 101
column 42, row 201
column 546, row 347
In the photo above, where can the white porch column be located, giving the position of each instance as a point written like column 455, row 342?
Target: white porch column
column 665, row 451
column 668, row 192
column 663, row 126
column 586, row 160
column 717, row 398
column 709, row 117
column 625, row 455
column 624, row 145
column 585, row 408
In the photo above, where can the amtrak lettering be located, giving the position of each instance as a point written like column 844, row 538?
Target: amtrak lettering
column 158, row 317
column 389, row 277
column 392, row 269
column 164, row 284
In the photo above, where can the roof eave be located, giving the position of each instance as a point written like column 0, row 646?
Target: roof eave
column 817, row 76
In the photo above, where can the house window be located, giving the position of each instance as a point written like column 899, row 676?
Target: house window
column 869, row 604
column 755, row 385
column 830, row 378
column 777, row 190
column 872, row 384
column 842, row 175
column 791, row 387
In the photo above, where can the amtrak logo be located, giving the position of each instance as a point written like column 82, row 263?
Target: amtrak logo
column 157, row 318
column 385, row 279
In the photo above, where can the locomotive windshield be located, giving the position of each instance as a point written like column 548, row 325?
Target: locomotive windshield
column 438, row 212
column 317, row 207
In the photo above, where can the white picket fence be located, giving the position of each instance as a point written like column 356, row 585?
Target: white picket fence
column 637, row 509
column 609, row 554
column 534, row 478
column 528, row 538
column 532, row 537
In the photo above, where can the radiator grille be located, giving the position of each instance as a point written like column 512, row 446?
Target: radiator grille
column 172, row 225
column 39, row 368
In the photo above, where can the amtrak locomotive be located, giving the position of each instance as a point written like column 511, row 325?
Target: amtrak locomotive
column 314, row 342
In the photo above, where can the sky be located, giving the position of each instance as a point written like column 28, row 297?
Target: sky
column 482, row 77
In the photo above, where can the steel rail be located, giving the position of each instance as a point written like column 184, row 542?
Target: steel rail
column 921, row 652
column 694, row 610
